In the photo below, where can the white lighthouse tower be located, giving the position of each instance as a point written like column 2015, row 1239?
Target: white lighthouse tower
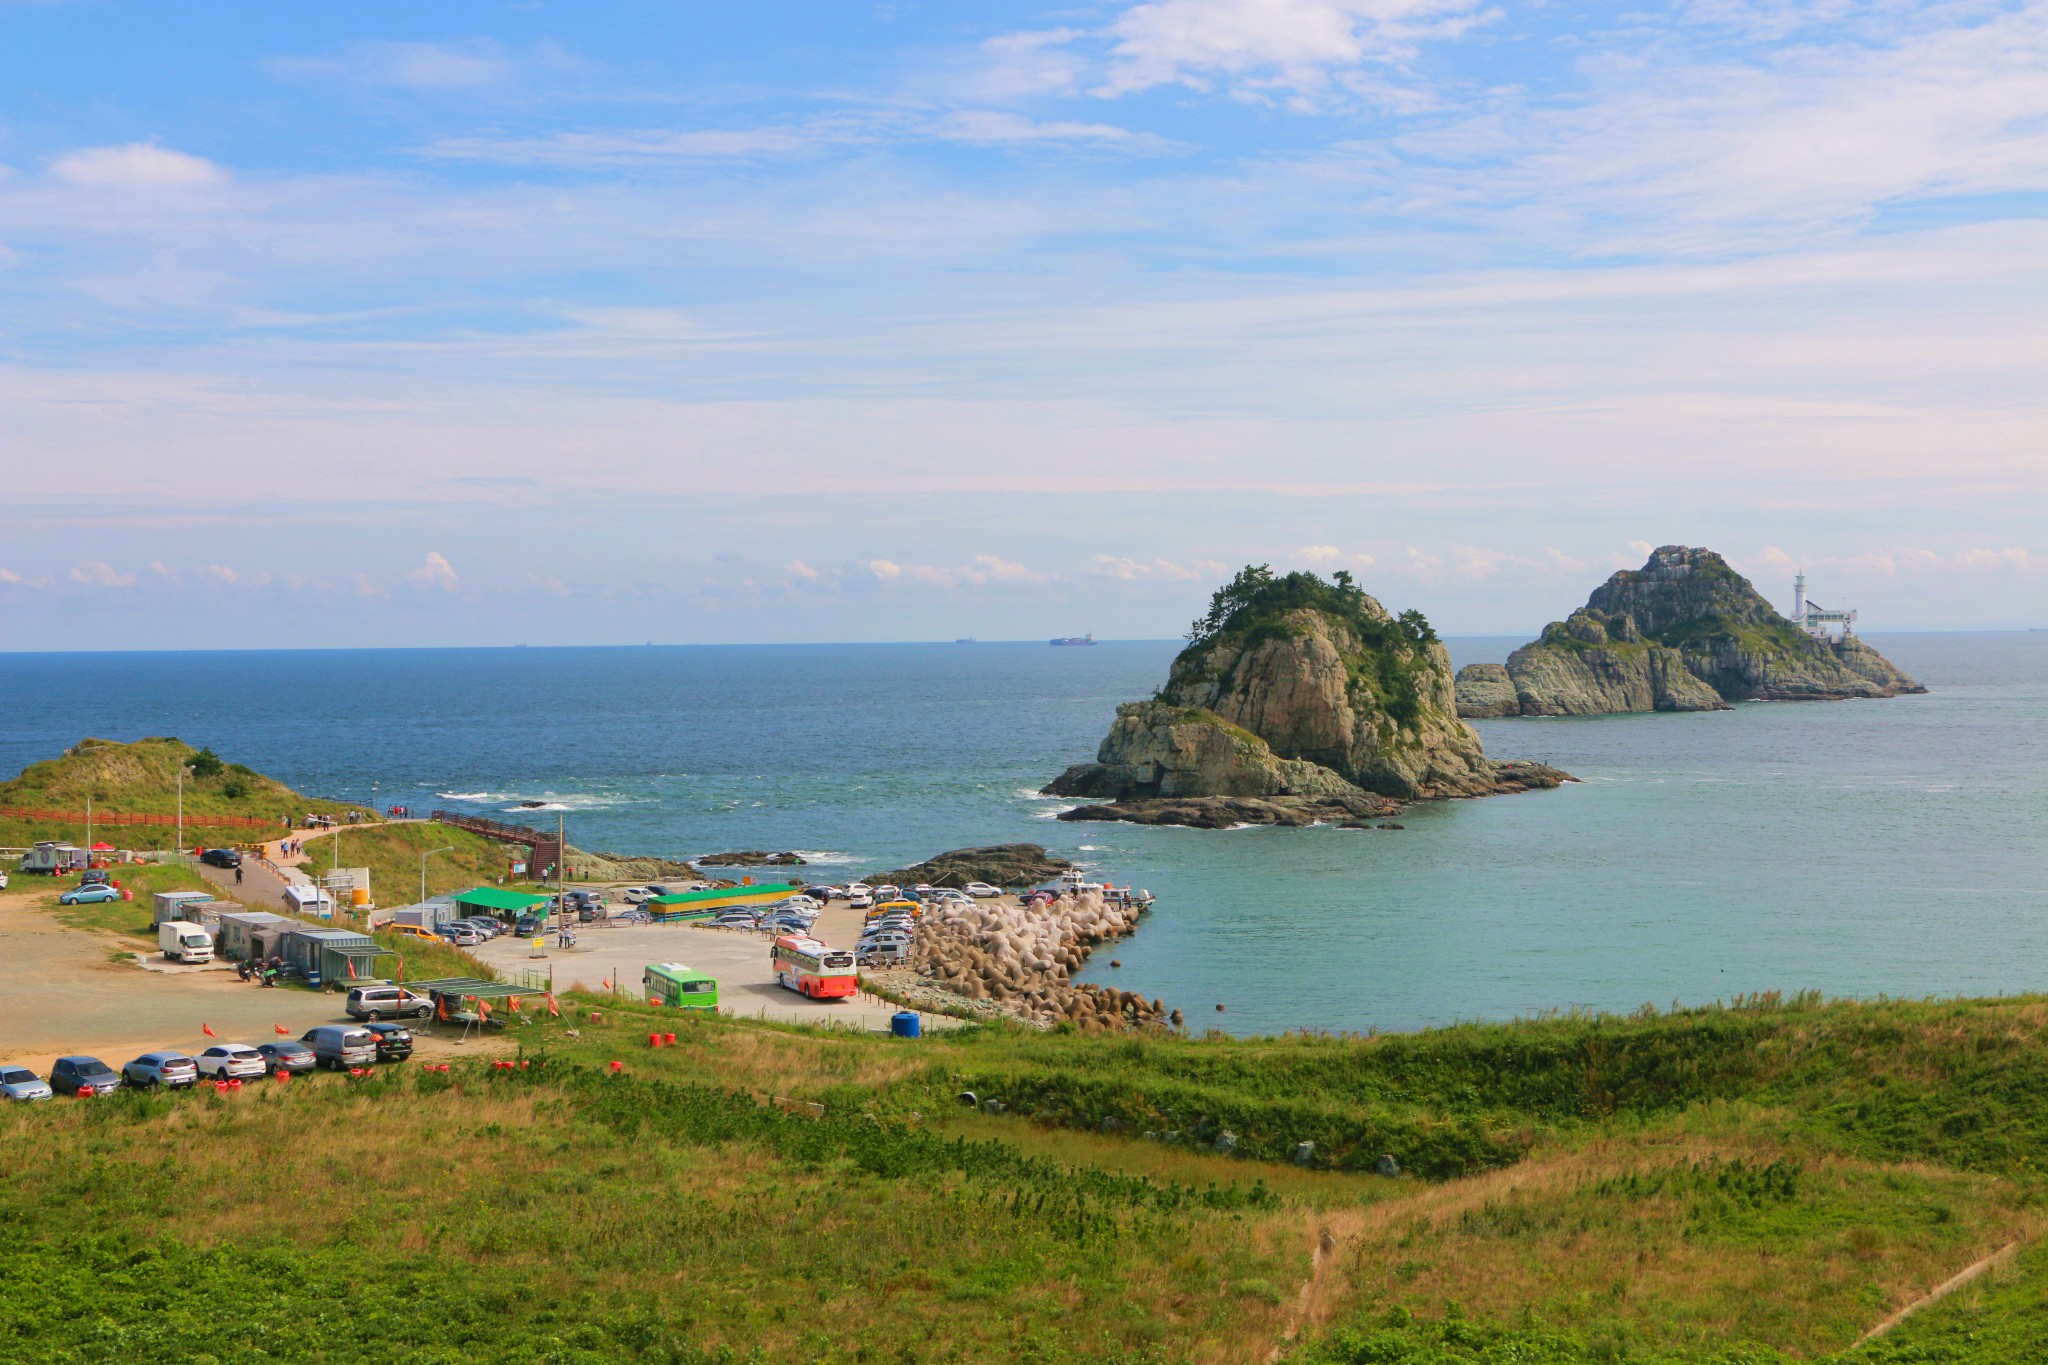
column 1816, row 620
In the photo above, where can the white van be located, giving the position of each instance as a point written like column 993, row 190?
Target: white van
column 184, row 942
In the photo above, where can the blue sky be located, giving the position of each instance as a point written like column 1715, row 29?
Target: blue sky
column 485, row 323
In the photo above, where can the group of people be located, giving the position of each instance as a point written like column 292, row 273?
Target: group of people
column 265, row 970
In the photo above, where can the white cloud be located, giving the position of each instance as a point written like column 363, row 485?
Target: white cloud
column 436, row 572
column 1136, row 570
column 1908, row 562
column 884, row 569
column 97, row 573
column 10, row 576
column 163, row 571
column 426, row 67
column 796, row 568
column 220, row 573
column 1264, row 43
column 136, row 166
column 548, row 583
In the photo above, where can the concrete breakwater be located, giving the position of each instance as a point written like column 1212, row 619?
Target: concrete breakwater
column 1024, row 956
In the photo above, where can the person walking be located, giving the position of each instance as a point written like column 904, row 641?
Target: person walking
column 238, row 874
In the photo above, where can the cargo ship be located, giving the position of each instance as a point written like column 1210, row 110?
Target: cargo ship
column 1075, row 640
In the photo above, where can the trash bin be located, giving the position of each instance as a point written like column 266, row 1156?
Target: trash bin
column 904, row 1024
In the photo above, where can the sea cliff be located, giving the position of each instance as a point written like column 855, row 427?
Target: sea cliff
column 1683, row 633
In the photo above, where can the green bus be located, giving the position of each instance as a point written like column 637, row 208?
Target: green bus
column 671, row 983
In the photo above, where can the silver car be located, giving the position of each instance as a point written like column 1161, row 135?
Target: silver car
column 172, row 1070
column 19, row 1083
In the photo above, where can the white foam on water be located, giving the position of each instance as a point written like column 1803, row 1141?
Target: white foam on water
column 826, row 858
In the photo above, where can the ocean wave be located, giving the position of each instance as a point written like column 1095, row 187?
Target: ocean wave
column 1054, row 814
column 1034, row 794
column 826, row 858
column 536, row 807
column 470, row 796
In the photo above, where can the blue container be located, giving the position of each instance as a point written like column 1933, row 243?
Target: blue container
column 904, row 1024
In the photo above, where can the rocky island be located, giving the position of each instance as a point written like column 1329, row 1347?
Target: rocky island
column 1296, row 701
column 1683, row 633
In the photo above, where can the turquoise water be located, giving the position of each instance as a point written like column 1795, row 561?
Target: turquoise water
column 1856, row 848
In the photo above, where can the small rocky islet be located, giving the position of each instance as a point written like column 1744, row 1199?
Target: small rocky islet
column 1685, row 632
column 1297, row 701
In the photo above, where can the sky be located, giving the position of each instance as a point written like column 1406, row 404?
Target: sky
column 465, row 323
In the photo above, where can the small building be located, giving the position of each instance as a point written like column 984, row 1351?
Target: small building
column 497, row 903
column 246, row 934
column 170, row 906
column 330, row 957
column 472, row 1000
column 309, row 900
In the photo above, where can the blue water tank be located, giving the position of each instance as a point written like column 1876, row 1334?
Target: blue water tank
column 904, row 1024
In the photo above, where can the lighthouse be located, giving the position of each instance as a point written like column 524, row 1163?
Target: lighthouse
column 1817, row 621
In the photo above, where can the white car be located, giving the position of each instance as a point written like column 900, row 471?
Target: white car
column 980, row 890
column 231, row 1061
column 637, row 895
column 858, row 889
column 861, row 900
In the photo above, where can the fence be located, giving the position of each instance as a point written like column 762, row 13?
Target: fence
column 108, row 819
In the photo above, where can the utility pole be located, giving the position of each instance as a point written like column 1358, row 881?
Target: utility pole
column 561, row 872
column 88, row 830
column 181, row 809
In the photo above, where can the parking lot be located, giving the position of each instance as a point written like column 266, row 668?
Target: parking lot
column 738, row 958
column 61, row 992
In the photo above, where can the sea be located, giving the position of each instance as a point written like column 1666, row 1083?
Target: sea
column 1895, row 848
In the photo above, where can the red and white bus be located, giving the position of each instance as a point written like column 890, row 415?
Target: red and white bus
column 813, row 968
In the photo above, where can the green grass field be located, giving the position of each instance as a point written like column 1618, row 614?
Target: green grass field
column 1745, row 1186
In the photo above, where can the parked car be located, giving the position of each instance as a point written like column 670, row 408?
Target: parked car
column 528, row 926
column 19, row 1083
column 337, row 1046
column 96, row 876
column 231, row 1062
column 657, row 889
column 387, row 1002
column 3, row 881
column 860, row 900
column 172, row 1070
column 821, row 893
column 461, row 935
column 89, row 1074
column 980, row 890
column 414, row 931
column 221, row 857
column 882, row 952
column 93, row 894
column 480, row 926
column 881, row 940
column 639, row 895
column 393, row 1041
column 286, row 1055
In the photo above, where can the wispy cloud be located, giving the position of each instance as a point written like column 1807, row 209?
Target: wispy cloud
column 432, row 67
column 619, row 148
column 435, row 572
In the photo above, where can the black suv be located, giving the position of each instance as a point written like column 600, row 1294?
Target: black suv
column 394, row 1041
column 222, row 857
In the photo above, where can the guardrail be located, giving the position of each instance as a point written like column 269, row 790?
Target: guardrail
column 107, row 818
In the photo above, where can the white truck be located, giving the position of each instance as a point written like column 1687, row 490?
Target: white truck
column 184, row 942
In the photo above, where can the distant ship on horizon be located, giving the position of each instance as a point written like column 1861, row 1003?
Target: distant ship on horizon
column 1075, row 640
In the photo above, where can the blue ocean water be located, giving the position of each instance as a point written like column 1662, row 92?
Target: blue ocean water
column 1857, row 848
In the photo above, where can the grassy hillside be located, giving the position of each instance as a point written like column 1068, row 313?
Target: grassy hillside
column 142, row 779
column 1753, row 1185
column 392, row 853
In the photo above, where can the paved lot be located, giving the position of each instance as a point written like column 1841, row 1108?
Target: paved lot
column 61, row 993
column 739, row 959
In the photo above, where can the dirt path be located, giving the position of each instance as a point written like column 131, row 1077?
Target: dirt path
column 1308, row 1299
column 1970, row 1272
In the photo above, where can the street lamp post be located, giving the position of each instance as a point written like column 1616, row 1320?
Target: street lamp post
column 423, row 868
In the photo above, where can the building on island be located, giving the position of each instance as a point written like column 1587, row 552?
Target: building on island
column 1817, row 620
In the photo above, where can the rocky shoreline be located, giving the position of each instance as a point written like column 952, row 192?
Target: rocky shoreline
column 999, row 959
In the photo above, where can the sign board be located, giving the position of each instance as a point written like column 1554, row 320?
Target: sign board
column 519, row 869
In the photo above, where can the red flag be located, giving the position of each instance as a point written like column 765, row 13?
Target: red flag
column 207, row 1029
column 607, row 983
column 483, row 1007
column 553, row 1008
column 351, row 967
column 282, row 1030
